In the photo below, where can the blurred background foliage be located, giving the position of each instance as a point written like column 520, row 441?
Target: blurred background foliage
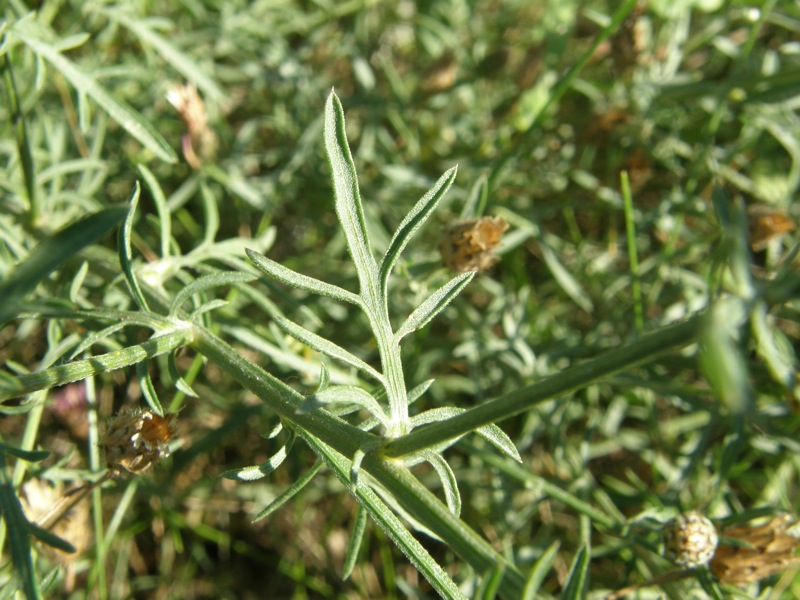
column 685, row 97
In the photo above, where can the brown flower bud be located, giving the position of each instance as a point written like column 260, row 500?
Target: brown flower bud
column 469, row 246
column 200, row 142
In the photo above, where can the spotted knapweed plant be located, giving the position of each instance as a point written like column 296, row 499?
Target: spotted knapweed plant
column 371, row 456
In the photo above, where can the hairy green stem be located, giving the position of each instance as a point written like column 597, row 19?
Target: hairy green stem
column 81, row 369
column 283, row 400
column 392, row 367
column 643, row 350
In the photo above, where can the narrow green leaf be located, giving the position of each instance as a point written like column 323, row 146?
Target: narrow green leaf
column 77, row 282
column 148, row 389
column 23, row 141
column 18, row 540
column 308, row 284
column 348, row 199
column 564, row 278
column 412, row 222
column 210, row 212
column 345, row 394
column 51, row 253
column 576, row 580
column 448, row 479
column 51, row 539
column 477, row 200
column 491, row 433
column 128, row 119
column 257, row 472
column 273, row 433
column 539, row 572
column 27, row 455
column 207, row 282
column 324, row 377
column 490, row 583
column 320, row 344
column 97, row 336
column 290, row 493
column 178, row 59
column 162, row 208
column 180, row 383
column 126, row 252
column 433, row 305
column 359, row 527
column 206, row 307
column 419, row 390
column 633, row 255
column 389, row 523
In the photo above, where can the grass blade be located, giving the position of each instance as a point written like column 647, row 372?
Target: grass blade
column 539, row 572
column 23, row 141
column 573, row 589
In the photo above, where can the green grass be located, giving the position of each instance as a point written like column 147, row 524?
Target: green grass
column 353, row 420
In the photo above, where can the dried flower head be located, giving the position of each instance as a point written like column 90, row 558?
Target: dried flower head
column 767, row 223
column 469, row 246
column 134, row 439
column 690, row 540
column 200, row 142
column 760, row 552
